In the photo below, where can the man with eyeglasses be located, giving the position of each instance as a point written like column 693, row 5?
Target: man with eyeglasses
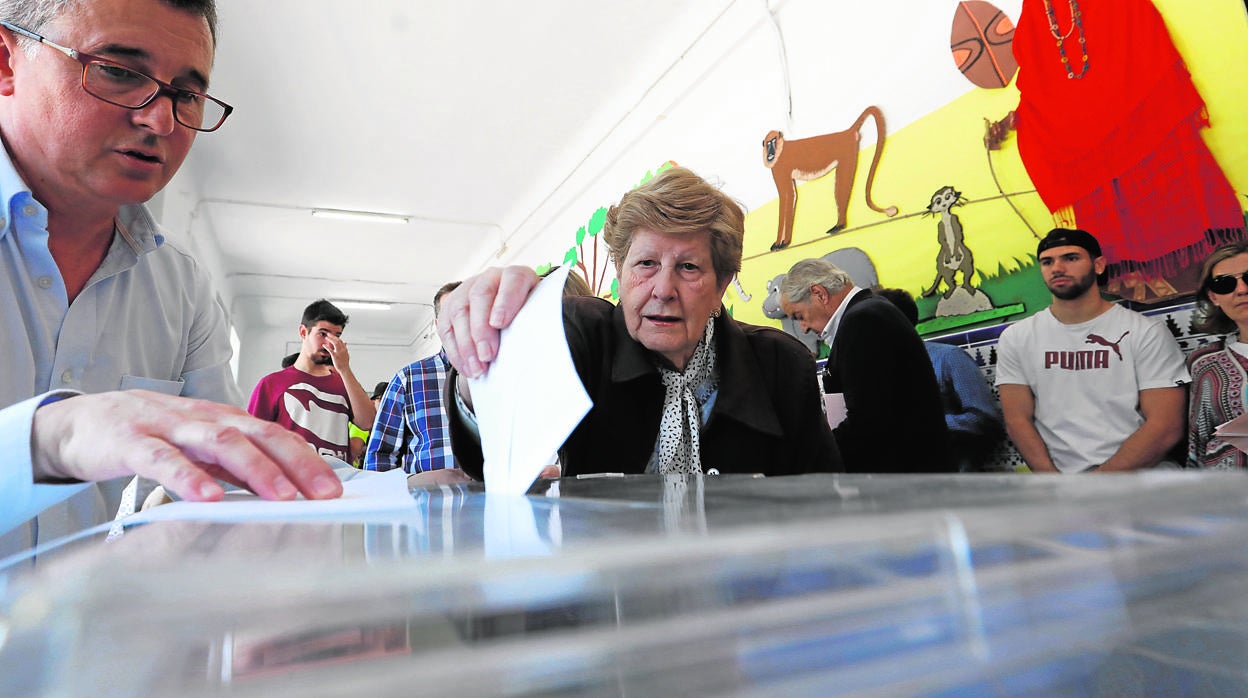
column 100, row 101
column 1086, row 384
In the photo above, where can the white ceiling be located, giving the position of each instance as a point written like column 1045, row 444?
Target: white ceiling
column 466, row 116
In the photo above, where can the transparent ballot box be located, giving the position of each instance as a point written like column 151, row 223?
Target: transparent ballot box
column 957, row 585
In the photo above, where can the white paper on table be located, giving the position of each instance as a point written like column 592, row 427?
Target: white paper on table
column 834, row 406
column 1235, row 432
column 531, row 398
column 362, row 494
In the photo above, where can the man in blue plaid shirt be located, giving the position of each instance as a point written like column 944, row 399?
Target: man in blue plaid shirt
column 411, row 430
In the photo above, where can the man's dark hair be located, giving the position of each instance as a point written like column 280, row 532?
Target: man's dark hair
column 34, row 14
column 323, row 310
column 437, row 297
column 1060, row 237
column 379, row 390
column 904, row 302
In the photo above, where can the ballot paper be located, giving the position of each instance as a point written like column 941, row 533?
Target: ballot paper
column 531, row 398
column 364, row 493
column 834, row 408
column 1235, row 432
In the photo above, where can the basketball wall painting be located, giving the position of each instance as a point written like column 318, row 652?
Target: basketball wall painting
column 981, row 42
column 1127, row 118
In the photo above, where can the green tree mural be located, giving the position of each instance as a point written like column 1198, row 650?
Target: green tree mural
column 589, row 255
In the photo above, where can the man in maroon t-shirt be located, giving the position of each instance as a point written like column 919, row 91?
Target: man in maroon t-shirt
column 318, row 395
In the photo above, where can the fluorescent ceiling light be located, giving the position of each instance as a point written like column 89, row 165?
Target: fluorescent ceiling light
column 360, row 305
column 369, row 216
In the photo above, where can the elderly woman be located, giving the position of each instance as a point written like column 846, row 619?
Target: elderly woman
column 1220, row 370
column 678, row 386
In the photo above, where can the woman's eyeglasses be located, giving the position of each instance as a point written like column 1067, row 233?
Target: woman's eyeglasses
column 1227, row 283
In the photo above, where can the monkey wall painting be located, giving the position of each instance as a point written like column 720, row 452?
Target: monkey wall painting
column 805, row 159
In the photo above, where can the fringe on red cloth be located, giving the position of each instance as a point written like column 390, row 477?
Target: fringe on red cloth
column 1177, row 261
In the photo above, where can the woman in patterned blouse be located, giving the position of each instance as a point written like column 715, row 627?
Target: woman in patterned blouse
column 1220, row 370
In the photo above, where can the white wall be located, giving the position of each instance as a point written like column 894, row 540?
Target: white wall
column 710, row 110
column 262, row 348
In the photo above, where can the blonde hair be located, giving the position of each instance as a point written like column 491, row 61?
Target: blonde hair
column 679, row 202
column 576, row 285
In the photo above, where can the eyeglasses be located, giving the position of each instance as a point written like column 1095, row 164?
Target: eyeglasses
column 1227, row 283
column 125, row 87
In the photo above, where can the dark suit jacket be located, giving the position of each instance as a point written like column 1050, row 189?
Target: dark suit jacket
column 895, row 422
column 766, row 417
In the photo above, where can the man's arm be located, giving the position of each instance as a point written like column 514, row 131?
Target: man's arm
column 1162, row 428
column 362, row 411
column 386, row 442
column 181, row 443
column 1019, row 406
column 814, row 446
column 979, row 415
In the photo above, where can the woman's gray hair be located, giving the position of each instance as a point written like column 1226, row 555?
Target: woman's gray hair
column 813, row 272
column 680, row 203
column 34, row 14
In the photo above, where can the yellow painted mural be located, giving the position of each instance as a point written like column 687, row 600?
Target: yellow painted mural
column 1000, row 219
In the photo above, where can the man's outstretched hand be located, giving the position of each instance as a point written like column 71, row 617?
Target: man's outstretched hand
column 181, row 443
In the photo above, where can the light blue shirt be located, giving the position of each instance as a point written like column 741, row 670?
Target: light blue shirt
column 20, row 498
column 147, row 318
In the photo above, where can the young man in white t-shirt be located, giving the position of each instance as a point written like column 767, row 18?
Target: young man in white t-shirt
column 1086, row 384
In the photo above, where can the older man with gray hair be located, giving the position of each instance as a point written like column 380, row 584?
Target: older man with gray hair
column 893, row 420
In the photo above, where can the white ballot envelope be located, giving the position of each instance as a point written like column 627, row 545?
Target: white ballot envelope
column 531, row 398
column 834, row 406
column 1235, row 432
